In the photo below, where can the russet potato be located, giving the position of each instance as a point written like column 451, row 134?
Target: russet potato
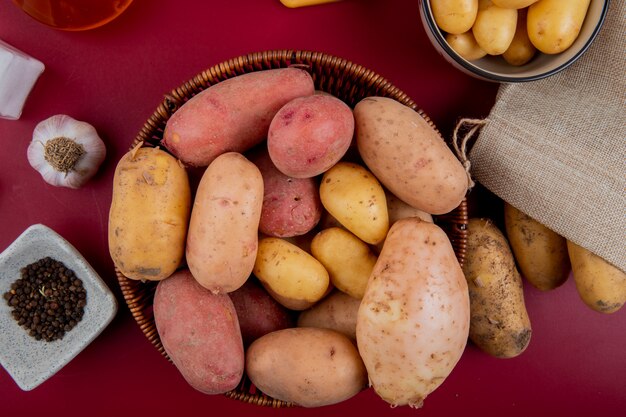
column 499, row 323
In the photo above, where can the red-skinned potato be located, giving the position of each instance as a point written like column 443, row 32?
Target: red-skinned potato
column 258, row 312
column 232, row 115
column 309, row 135
column 200, row 333
column 291, row 206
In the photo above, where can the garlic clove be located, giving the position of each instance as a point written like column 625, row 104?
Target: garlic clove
column 53, row 177
column 66, row 152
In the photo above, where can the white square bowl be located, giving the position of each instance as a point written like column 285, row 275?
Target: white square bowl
column 30, row 362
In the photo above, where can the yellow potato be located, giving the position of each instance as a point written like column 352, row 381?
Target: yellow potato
column 521, row 50
column 348, row 260
column 337, row 311
column 454, row 16
column 293, row 277
column 149, row 214
column 553, row 25
column 494, row 27
column 465, row 45
column 499, row 323
column 353, row 196
column 600, row 285
column 513, row 4
column 541, row 254
column 307, row 366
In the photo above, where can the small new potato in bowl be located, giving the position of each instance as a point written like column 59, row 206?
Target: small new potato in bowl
column 512, row 40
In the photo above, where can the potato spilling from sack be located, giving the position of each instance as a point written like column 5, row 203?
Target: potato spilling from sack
column 499, row 322
column 541, row 254
column 200, row 333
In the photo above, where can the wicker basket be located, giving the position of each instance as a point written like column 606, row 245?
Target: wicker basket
column 341, row 78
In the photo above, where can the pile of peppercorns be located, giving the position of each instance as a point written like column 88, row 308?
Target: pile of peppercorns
column 48, row 300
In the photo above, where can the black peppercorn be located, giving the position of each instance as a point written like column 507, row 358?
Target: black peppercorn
column 47, row 300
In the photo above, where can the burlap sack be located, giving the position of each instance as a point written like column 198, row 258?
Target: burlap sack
column 556, row 148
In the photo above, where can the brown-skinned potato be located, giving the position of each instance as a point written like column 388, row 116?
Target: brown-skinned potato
column 499, row 323
column 541, row 254
column 600, row 285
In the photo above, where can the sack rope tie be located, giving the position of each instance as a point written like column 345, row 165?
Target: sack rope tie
column 474, row 125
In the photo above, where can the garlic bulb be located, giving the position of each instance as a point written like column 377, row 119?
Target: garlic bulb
column 65, row 151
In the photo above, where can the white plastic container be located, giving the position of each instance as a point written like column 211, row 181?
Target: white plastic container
column 18, row 74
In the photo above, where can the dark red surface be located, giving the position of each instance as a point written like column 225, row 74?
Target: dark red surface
column 114, row 77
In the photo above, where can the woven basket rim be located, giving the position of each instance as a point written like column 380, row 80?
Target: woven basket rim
column 138, row 296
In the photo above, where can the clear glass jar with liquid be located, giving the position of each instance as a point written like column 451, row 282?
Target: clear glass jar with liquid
column 73, row 14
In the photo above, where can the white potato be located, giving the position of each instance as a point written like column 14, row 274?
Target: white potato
column 413, row 322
